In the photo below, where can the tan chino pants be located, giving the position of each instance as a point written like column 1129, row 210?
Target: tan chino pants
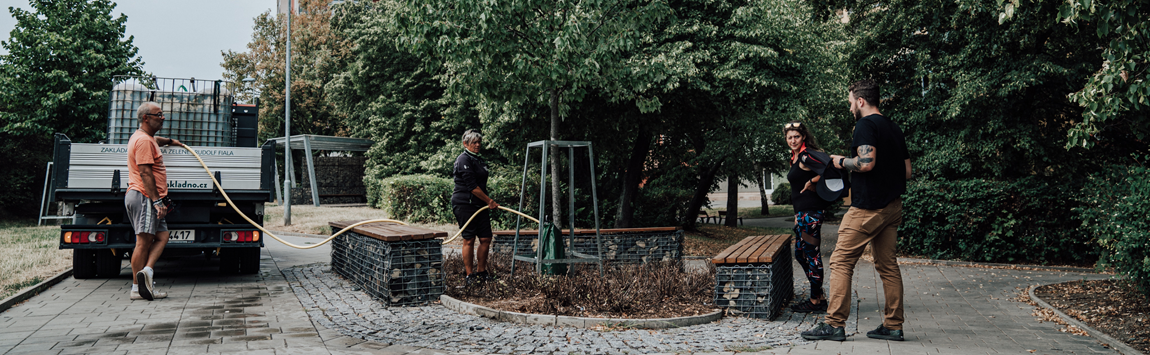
column 880, row 229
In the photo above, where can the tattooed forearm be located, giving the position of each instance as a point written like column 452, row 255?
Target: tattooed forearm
column 865, row 160
column 851, row 164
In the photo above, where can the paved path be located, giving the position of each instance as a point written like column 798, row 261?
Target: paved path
column 950, row 310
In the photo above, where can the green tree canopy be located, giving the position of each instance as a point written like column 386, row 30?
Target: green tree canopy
column 392, row 97
column 61, row 58
column 318, row 52
column 1115, row 99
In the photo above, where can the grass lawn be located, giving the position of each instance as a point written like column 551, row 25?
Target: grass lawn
column 710, row 240
column 33, row 255
column 754, row 212
column 313, row 220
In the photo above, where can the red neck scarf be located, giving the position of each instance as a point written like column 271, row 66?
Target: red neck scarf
column 795, row 154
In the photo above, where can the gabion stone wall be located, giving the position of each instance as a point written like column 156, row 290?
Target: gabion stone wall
column 625, row 248
column 405, row 273
column 756, row 290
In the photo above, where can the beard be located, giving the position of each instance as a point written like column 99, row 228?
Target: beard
column 857, row 114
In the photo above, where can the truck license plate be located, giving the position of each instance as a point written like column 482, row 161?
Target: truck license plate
column 182, row 236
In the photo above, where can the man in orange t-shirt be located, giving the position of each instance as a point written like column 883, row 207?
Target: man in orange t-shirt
column 145, row 199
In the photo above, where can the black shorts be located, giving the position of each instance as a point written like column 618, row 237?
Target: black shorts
column 480, row 226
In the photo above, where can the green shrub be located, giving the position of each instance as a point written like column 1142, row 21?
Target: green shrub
column 1030, row 219
column 1116, row 216
column 413, row 198
column 782, row 194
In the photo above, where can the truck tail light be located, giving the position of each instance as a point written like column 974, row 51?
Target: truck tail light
column 85, row 237
column 241, row 236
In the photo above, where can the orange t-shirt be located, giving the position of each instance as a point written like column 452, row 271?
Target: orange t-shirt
column 142, row 149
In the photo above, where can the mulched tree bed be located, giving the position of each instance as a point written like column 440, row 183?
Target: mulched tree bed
column 1112, row 307
column 661, row 290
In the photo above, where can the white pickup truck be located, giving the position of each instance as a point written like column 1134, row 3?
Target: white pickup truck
column 91, row 180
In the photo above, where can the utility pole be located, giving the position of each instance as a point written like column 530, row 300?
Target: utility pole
column 287, row 123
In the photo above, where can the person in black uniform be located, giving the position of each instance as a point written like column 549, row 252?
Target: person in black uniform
column 469, row 195
column 809, row 209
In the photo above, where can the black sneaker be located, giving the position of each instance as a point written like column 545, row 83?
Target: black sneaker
column 886, row 334
column 825, row 331
column 470, row 280
column 808, row 307
column 484, row 276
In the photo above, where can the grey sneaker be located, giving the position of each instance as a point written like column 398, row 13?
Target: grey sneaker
column 825, row 331
column 886, row 334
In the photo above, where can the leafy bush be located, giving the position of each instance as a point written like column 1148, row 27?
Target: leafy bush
column 413, row 198
column 782, row 194
column 1029, row 219
column 1116, row 216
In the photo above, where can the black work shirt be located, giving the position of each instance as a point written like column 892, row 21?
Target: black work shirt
column 885, row 182
column 807, row 200
column 470, row 171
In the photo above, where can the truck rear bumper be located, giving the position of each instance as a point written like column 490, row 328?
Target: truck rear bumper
column 118, row 236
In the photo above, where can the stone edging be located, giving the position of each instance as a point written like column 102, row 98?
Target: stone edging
column 1113, row 343
column 577, row 322
column 33, row 290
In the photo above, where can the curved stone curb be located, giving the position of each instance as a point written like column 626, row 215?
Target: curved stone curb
column 977, row 264
column 33, row 290
column 577, row 322
column 1113, row 343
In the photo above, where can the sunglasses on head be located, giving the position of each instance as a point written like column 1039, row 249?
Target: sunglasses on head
column 792, row 125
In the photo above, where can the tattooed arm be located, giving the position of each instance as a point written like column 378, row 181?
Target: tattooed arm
column 864, row 162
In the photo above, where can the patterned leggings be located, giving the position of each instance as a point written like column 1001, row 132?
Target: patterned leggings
column 807, row 254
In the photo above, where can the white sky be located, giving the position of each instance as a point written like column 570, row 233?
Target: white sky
column 177, row 39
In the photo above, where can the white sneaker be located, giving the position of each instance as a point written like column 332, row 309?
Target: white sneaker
column 144, row 279
column 155, row 295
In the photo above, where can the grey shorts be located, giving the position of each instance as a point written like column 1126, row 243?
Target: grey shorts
column 143, row 214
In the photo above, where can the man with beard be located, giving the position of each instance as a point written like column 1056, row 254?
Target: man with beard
column 878, row 178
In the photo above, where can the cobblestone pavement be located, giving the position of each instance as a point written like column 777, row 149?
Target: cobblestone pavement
column 337, row 304
column 286, row 310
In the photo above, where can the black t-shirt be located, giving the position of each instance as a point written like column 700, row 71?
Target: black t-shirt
column 470, row 171
column 808, row 200
column 887, row 180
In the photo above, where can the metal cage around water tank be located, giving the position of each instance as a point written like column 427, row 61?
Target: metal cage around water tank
column 196, row 112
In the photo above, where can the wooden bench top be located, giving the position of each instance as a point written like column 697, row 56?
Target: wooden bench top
column 592, row 231
column 389, row 232
column 757, row 249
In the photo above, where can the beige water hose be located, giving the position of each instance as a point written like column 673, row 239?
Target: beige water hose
column 325, row 241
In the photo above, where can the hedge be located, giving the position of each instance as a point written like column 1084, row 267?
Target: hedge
column 427, row 199
column 1030, row 219
column 1116, row 216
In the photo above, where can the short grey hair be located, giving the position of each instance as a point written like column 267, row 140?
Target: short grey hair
column 472, row 136
column 144, row 109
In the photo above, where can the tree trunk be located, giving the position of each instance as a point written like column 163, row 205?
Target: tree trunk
column 702, row 187
column 732, row 201
column 761, row 178
column 625, row 216
column 556, row 192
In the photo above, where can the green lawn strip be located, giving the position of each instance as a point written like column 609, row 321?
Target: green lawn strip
column 755, row 212
column 34, row 255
